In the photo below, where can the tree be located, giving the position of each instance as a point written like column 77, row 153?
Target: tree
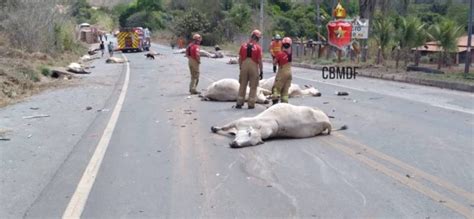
column 240, row 16
column 366, row 10
column 446, row 34
column 382, row 35
column 193, row 21
column 409, row 34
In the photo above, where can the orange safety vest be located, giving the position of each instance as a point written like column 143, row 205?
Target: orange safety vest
column 275, row 47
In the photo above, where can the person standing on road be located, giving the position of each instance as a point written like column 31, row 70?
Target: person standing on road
column 250, row 60
column 194, row 59
column 111, row 49
column 283, row 77
column 275, row 47
column 102, row 48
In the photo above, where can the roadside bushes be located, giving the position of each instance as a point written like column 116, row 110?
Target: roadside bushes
column 39, row 26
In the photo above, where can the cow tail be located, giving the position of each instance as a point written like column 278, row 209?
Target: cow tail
column 344, row 127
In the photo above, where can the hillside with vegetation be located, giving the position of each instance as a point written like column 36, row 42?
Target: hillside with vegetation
column 43, row 32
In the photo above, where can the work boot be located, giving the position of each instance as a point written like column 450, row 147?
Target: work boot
column 275, row 101
column 238, row 106
column 251, row 107
column 274, row 69
column 195, row 92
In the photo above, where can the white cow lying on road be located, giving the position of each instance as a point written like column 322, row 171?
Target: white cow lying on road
column 76, row 68
column 294, row 90
column 280, row 120
column 228, row 90
column 115, row 60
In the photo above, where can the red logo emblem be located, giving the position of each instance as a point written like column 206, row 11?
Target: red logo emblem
column 339, row 33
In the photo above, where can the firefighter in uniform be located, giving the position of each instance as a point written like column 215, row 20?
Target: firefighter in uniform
column 250, row 61
column 275, row 48
column 194, row 59
column 283, row 77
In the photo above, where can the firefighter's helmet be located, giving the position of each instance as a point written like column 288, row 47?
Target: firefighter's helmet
column 257, row 33
column 197, row 37
column 287, row 40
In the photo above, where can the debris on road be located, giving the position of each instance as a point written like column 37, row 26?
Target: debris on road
column 35, row 116
column 325, row 102
column 189, row 112
column 342, row 93
column 182, row 126
column 375, row 98
column 103, row 110
column 88, row 108
column 169, row 110
column 4, row 139
column 34, row 108
column 29, row 136
column 332, row 117
column 188, row 97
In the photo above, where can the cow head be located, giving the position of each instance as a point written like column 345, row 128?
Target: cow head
column 312, row 91
column 246, row 137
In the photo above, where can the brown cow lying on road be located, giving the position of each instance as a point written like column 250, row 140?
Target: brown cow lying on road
column 280, row 120
column 294, row 90
column 228, row 90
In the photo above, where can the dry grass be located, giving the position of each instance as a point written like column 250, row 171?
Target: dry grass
column 20, row 73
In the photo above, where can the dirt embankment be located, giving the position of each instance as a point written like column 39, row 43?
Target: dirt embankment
column 23, row 74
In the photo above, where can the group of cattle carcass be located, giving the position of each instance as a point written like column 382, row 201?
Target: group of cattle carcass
column 278, row 121
column 227, row 90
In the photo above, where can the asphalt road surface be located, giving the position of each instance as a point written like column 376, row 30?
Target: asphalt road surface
column 407, row 153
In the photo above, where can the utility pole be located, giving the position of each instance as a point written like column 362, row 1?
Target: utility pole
column 261, row 22
column 467, row 62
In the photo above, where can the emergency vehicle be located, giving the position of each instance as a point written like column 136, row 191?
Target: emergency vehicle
column 134, row 39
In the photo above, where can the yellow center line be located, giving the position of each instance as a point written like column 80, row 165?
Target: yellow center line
column 417, row 172
column 465, row 211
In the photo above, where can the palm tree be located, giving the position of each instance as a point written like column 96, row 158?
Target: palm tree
column 382, row 35
column 410, row 33
column 446, row 34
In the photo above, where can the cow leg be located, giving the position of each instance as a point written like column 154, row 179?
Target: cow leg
column 226, row 128
column 327, row 126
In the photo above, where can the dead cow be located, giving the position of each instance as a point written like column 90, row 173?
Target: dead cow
column 294, row 90
column 227, row 90
column 76, row 68
column 281, row 120
column 232, row 61
column 115, row 60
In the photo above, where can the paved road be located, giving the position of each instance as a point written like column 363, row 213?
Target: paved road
column 407, row 153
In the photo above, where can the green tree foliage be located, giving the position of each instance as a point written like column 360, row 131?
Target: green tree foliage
column 409, row 33
column 240, row 15
column 446, row 34
column 299, row 21
column 81, row 10
column 191, row 22
column 382, row 33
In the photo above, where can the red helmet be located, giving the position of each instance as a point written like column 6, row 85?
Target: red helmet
column 196, row 36
column 287, row 40
column 257, row 33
